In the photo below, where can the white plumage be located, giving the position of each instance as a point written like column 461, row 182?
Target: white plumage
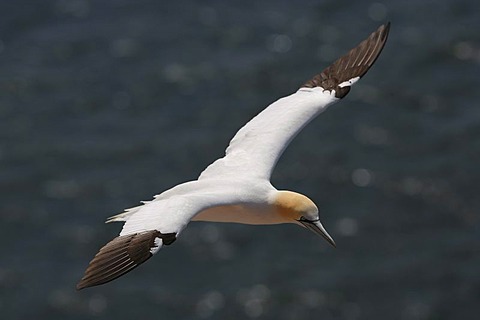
column 237, row 188
column 242, row 176
column 256, row 148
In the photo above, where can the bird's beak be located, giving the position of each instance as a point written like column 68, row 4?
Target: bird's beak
column 317, row 227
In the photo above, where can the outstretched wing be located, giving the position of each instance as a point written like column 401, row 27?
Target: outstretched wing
column 153, row 225
column 256, row 148
column 158, row 223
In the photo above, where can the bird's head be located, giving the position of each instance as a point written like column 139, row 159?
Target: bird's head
column 296, row 208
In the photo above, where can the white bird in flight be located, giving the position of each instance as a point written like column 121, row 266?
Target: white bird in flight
column 237, row 188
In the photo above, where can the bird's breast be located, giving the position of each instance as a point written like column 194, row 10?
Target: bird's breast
column 241, row 213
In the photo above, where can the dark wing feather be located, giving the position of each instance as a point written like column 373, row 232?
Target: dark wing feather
column 354, row 64
column 120, row 256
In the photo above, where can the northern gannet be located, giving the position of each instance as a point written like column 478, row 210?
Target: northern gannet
column 237, row 188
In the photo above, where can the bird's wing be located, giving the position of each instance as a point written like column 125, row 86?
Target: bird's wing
column 121, row 255
column 153, row 225
column 256, row 148
column 159, row 222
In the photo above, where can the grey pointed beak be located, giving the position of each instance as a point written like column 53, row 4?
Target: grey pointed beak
column 317, row 227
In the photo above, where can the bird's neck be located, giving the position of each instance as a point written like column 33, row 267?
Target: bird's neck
column 291, row 205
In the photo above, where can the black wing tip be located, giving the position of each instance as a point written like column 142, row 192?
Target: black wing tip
column 382, row 34
column 120, row 256
column 354, row 64
column 384, row 31
column 387, row 27
column 81, row 286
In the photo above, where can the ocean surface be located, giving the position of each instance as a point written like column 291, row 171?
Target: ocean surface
column 106, row 103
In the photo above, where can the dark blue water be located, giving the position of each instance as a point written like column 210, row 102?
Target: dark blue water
column 106, row 103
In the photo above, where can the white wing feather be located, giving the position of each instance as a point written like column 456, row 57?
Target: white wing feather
column 256, row 148
column 172, row 211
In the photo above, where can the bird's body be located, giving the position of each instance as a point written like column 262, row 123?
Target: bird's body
column 241, row 178
column 237, row 188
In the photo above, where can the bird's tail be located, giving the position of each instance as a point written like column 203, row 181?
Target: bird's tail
column 121, row 217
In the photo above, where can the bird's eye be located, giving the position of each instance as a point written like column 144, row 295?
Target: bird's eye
column 303, row 219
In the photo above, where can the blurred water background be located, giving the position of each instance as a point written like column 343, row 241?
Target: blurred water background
column 106, row 103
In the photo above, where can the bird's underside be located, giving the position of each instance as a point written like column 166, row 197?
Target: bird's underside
column 251, row 157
